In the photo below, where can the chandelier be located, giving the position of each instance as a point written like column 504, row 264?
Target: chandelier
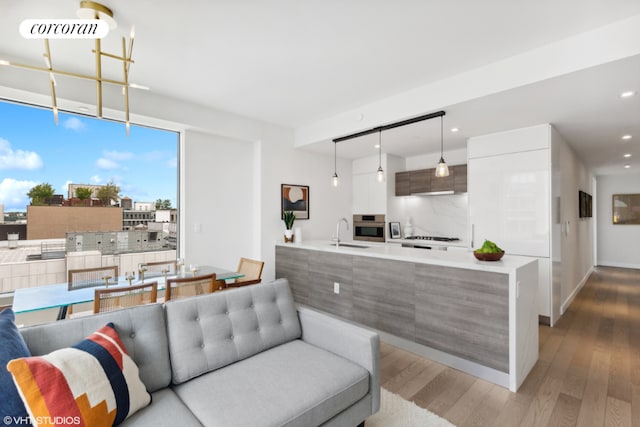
column 91, row 10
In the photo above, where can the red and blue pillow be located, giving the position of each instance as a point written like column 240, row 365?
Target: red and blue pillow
column 95, row 382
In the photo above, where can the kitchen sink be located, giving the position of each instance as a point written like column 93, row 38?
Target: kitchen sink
column 351, row 245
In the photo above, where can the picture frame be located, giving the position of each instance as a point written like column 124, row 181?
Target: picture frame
column 394, row 230
column 625, row 209
column 294, row 198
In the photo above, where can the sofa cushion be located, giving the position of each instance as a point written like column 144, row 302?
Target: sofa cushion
column 12, row 346
column 95, row 382
column 294, row 384
column 167, row 410
column 141, row 329
column 211, row 331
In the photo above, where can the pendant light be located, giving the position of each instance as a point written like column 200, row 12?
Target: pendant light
column 442, row 170
column 334, row 179
column 380, row 174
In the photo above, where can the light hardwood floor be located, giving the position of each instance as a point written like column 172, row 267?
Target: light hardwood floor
column 588, row 372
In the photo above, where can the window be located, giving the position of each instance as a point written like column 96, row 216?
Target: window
column 88, row 153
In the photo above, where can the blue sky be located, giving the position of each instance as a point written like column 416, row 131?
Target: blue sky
column 82, row 150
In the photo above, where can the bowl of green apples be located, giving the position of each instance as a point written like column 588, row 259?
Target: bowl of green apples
column 488, row 252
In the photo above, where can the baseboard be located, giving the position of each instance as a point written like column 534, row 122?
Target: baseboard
column 565, row 305
column 618, row 264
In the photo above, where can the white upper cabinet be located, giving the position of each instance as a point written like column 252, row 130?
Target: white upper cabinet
column 369, row 195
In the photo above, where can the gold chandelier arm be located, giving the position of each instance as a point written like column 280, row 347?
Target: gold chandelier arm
column 129, row 61
column 52, row 82
column 98, row 80
column 61, row 72
column 125, row 67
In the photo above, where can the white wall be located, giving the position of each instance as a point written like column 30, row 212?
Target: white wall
column 217, row 200
column 572, row 237
column 282, row 164
column 618, row 245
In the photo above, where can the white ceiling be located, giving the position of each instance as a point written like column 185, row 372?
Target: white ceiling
column 293, row 62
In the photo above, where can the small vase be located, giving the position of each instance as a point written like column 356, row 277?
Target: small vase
column 288, row 236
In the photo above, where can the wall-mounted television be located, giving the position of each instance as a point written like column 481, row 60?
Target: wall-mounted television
column 585, row 205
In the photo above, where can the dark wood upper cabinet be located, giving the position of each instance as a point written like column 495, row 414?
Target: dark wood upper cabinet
column 403, row 185
column 420, row 180
column 460, row 178
column 444, row 183
column 425, row 181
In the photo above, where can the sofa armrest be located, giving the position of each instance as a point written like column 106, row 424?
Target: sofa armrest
column 359, row 345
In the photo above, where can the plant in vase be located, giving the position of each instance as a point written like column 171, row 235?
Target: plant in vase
column 288, row 217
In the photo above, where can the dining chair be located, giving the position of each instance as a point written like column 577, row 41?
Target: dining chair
column 185, row 287
column 111, row 299
column 252, row 271
column 158, row 268
column 91, row 277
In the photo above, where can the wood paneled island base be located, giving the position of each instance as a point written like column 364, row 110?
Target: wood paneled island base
column 475, row 317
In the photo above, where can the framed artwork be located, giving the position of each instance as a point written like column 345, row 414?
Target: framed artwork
column 394, row 230
column 626, row 209
column 295, row 198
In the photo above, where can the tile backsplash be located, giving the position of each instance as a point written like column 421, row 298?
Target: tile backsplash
column 433, row 215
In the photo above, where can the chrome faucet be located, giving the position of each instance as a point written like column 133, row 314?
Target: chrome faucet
column 338, row 230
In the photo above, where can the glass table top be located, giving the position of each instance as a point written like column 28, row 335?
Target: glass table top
column 58, row 295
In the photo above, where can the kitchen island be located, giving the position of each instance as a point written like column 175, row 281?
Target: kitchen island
column 479, row 317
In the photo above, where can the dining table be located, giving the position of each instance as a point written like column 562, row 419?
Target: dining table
column 59, row 296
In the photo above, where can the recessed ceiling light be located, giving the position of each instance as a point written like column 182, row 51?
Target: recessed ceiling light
column 626, row 156
column 627, row 94
column 626, row 137
column 454, row 129
column 376, row 146
column 627, row 166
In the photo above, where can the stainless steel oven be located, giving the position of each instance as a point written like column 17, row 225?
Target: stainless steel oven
column 369, row 228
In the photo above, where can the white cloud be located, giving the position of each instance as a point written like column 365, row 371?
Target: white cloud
column 13, row 193
column 106, row 164
column 172, row 163
column 95, row 179
column 18, row 159
column 118, row 155
column 74, row 124
column 65, row 187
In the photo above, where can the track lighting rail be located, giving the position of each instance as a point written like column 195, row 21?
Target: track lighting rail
column 391, row 126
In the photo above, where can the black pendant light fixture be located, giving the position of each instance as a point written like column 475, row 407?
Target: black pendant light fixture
column 334, row 179
column 380, row 173
column 442, row 169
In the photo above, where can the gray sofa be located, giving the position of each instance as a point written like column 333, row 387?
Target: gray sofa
column 243, row 357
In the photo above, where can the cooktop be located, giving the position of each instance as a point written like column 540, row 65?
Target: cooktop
column 434, row 238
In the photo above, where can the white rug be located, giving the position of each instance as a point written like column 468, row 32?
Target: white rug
column 397, row 412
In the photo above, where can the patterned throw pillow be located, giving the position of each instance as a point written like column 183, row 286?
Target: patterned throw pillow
column 11, row 346
column 93, row 383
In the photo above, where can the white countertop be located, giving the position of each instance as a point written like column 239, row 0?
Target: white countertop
column 456, row 259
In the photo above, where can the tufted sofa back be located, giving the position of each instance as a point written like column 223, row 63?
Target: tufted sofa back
column 141, row 329
column 211, row 331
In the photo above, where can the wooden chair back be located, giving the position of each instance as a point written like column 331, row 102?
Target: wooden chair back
column 91, row 277
column 111, row 299
column 158, row 268
column 252, row 271
column 185, row 287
